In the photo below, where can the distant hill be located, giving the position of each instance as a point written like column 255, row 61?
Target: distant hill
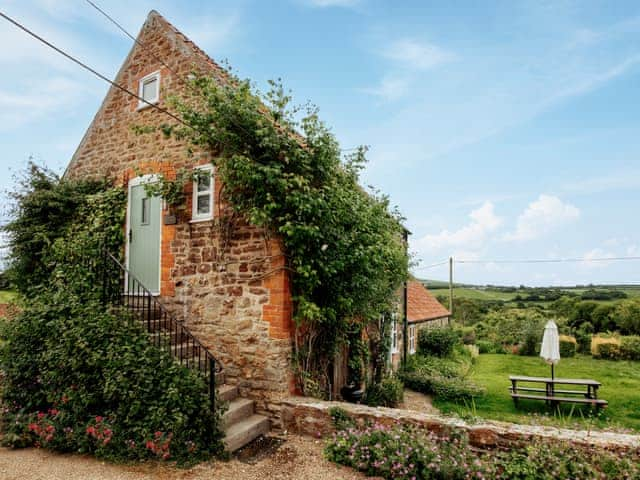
column 533, row 294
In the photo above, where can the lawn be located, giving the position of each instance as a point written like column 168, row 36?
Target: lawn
column 7, row 296
column 620, row 387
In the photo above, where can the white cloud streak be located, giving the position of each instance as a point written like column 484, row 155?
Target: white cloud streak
column 541, row 217
column 483, row 222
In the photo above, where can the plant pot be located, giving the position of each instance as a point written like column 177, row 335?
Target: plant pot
column 352, row 393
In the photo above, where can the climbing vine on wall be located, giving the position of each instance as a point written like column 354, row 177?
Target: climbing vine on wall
column 282, row 169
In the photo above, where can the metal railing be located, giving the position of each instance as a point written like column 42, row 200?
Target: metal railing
column 123, row 289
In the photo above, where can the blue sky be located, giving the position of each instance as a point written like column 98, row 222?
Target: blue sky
column 502, row 130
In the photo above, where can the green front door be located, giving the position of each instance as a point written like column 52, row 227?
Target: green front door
column 144, row 238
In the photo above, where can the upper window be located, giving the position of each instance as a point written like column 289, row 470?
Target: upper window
column 203, row 187
column 149, row 89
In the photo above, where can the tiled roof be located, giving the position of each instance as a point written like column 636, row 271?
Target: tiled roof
column 421, row 305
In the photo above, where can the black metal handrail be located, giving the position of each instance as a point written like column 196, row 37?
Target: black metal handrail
column 165, row 330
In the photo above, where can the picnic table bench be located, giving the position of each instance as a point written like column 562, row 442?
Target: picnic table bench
column 552, row 395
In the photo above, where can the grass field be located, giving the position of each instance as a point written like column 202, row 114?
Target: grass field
column 620, row 387
column 6, row 296
column 476, row 293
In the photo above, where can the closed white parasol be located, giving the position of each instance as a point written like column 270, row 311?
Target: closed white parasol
column 550, row 350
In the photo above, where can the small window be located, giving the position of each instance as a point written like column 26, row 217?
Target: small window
column 145, row 212
column 149, row 89
column 203, row 186
column 412, row 339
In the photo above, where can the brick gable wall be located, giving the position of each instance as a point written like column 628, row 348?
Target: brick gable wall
column 232, row 291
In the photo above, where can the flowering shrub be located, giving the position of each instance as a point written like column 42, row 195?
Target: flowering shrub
column 79, row 379
column 396, row 452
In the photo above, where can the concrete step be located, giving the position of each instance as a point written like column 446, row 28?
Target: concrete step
column 239, row 409
column 227, row 393
column 242, row 432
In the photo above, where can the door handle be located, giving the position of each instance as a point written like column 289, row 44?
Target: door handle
column 130, row 235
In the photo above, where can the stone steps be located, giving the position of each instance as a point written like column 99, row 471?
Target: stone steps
column 241, row 433
column 240, row 423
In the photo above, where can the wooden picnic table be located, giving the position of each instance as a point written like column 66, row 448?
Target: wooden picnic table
column 553, row 395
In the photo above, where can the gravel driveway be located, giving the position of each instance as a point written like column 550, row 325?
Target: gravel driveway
column 296, row 458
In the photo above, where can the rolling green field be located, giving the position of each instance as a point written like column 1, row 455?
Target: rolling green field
column 620, row 387
column 488, row 293
column 474, row 293
column 7, row 296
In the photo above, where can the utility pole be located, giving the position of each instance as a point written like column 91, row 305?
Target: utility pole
column 450, row 289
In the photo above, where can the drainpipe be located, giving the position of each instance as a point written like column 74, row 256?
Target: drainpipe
column 405, row 301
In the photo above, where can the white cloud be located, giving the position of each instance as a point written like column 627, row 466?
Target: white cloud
column 483, row 222
column 542, row 216
column 390, row 88
column 416, row 55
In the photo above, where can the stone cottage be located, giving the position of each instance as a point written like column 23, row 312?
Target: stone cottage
column 423, row 311
column 233, row 292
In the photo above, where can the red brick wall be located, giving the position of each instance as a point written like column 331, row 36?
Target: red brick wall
column 233, row 292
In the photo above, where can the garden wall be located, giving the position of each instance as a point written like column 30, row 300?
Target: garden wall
column 308, row 416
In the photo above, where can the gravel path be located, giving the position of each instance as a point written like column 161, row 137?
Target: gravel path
column 418, row 402
column 296, row 458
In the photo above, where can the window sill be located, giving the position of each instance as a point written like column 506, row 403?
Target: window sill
column 144, row 106
column 200, row 220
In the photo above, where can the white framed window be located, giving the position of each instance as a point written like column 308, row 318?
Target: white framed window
column 203, row 187
column 412, row 339
column 394, row 333
column 149, row 89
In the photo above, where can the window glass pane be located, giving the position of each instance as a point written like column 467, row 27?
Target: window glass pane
column 150, row 90
column 204, row 181
column 204, row 205
column 145, row 211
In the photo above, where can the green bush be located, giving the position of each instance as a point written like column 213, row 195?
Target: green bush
column 568, row 346
column 607, row 348
column 437, row 341
column 388, row 393
column 442, row 377
column 531, row 343
column 630, row 347
column 485, row 346
column 43, row 208
column 468, row 335
column 583, row 337
column 455, row 389
column 78, row 378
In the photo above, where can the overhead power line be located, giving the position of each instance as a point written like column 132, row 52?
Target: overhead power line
column 529, row 261
column 90, row 69
column 551, row 260
column 433, row 265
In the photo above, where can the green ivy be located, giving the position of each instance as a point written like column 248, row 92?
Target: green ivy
column 41, row 211
column 282, row 169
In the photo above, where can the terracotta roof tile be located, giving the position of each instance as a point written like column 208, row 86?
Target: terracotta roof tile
column 421, row 305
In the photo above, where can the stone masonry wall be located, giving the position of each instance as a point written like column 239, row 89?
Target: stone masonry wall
column 232, row 291
column 307, row 416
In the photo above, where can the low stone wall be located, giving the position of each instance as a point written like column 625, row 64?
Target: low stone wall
column 307, row 416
